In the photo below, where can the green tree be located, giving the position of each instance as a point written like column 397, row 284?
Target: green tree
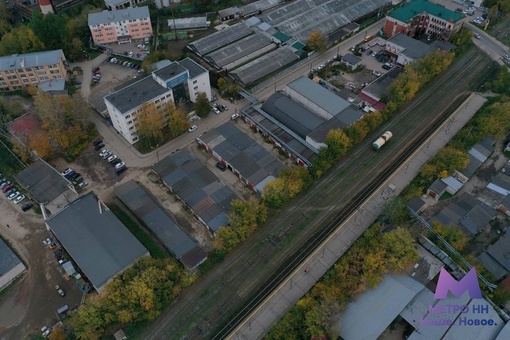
column 150, row 125
column 202, row 106
column 395, row 210
column 155, row 57
column 222, row 86
column 52, row 30
column 318, row 41
column 289, row 183
column 338, row 143
column 75, row 50
column 177, row 122
column 501, row 295
column 450, row 159
column 399, row 247
column 455, row 237
column 5, row 19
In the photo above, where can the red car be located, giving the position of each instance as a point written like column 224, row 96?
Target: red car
column 7, row 188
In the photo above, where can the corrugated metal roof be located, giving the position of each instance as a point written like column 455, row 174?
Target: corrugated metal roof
column 108, row 17
column 16, row 61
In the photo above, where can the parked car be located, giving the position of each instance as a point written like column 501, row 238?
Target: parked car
column 97, row 142
column 82, row 185
column 369, row 52
column 7, row 187
column 506, row 57
column 133, row 65
column 376, row 73
column 104, row 152
column 234, row 116
column 99, row 146
column 13, row 195
column 70, row 175
column 106, row 155
column 116, row 161
column 193, row 128
column 120, row 165
column 221, row 166
column 215, row 110
column 77, row 180
column 111, row 158
column 130, row 54
column 10, row 191
column 19, row 199
column 120, row 170
column 4, row 184
column 26, row 206
column 477, row 36
column 66, row 171
column 59, row 290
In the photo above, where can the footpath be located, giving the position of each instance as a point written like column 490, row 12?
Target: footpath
column 315, row 266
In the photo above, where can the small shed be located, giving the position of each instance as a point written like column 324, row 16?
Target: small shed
column 120, row 335
column 453, row 184
column 351, row 60
column 437, row 189
column 416, row 204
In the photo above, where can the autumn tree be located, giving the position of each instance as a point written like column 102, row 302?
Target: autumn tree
column 154, row 57
column 222, row 86
column 400, row 248
column 40, row 143
column 150, row 125
column 58, row 334
column 318, row 41
column 496, row 122
column 5, row 19
column 177, row 121
column 454, row 236
column 202, row 106
column 20, row 40
column 448, row 160
column 289, row 183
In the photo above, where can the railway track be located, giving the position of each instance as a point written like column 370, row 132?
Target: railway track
column 216, row 304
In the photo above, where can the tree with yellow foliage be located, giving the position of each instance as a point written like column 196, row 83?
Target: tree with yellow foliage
column 318, row 41
column 150, row 125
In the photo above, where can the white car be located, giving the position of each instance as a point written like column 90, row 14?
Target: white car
column 119, row 165
column 506, row 57
column 216, row 111
column 106, row 155
column 82, row 185
column 234, row 116
column 477, row 36
column 13, row 195
column 19, row 199
column 193, row 128
column 130, row 54
column 66, row 171
column 111, row 158
column 104, row 152
column 376, row 73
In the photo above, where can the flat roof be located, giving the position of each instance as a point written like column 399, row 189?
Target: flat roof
column 108, row 17
column 318, row 95
column 193, row 67
column 96, row 239
column 264, row 65
column 380, row 86
column 135, row 95
column 293, row 115
column 261, row 5
column 17, row 61
column 160, row 222
column 221, row 38
column 8, row 259
column 246, row 156
column 43, row 182
column 197, row 186
column 413, row 48
column 170, row 71
column 190, row 23
column 52, row 85
column 411, row 9
column 238, row 50
column 351, row 59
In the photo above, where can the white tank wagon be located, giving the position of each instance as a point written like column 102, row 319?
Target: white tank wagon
column 382, row 140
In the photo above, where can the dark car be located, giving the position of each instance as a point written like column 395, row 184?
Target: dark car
column 121, row 170
column 95, row 69
column 70, row 174
column 221, row 166
column 77, row 179
column 26, row 206
column 10, row 191
column 133, row 65
column 7, row 188
column 99, row 146
column 97, row 142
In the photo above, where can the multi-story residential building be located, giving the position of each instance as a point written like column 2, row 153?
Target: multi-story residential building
column 173, row 81
column 123, row 26
column 419, row 17
column 21, row 70
column 121, row 4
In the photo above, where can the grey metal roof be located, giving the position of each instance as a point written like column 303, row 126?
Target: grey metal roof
column 438, row 186
column 500, row 251
column 493, row 266
column 318, row 95
column 193, row 67
column 188, row 23
column 261, row 5
column 221, row 38
column 380, row 306
column 96, row 240
column 8, row 259
column 289, row 140
column 43, row 182
column 293, row 115
column 135, row 95
column 413, row 48
column 197, row 186
column 264, row 65
column 136, row 198
column 501, row 180
column 238, row 50
column 52, row 85
column 452, row 182
column 351, row 59
column 472, row 166
column 349, row 115
column 243, row 153
column 301, row 17
column 16, row 61
column 252, row 21
column 108, row 17
column 170, row 71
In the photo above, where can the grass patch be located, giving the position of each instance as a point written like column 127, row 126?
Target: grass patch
column 9, row 164
column 445, row 196
column 133, row 227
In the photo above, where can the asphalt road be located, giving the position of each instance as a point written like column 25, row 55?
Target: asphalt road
column 494, row 48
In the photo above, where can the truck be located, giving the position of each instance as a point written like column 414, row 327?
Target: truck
column 382, row 140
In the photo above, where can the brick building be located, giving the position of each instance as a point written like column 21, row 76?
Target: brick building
column 122, row 26
column 419, row 17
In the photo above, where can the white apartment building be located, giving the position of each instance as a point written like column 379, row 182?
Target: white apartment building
column 175, row 81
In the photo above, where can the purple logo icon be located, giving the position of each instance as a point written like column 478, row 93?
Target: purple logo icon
column 447, row 283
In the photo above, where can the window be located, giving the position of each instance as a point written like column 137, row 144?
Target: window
column 195, row 88
column 130, row 122
column 194, row 81
column 23, row 75
column 25, row 80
